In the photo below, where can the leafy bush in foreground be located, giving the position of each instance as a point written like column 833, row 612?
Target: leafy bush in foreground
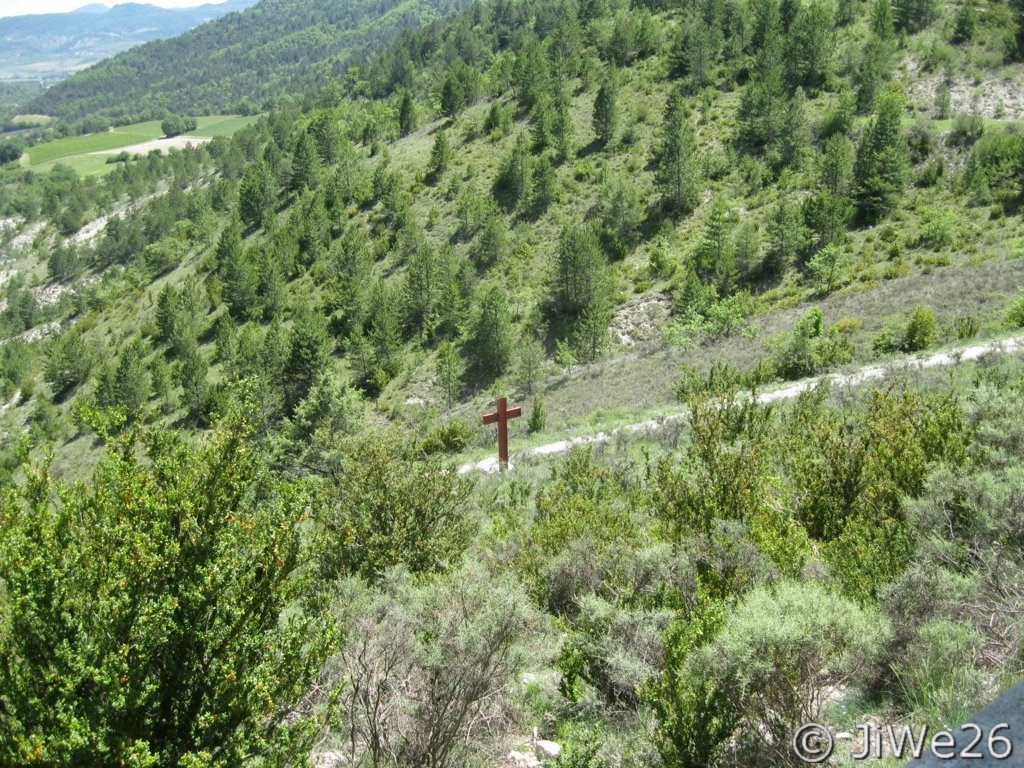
column 157, row 616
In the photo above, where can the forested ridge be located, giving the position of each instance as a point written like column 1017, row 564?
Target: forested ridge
column 237, row 382
column 240, row 62
column 41, row 45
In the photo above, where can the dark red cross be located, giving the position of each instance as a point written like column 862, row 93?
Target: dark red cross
column 501, row 417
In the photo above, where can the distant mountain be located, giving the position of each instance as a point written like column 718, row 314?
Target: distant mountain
column 275, row 48
column 53, row 45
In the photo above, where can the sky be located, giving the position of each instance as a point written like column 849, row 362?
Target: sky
column 20, row 7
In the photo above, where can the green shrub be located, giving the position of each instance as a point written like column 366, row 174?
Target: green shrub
column 939, row 677
column 451, row 437
column 696, row 717
column 921, row 330
column 143, row 618
column 936, row 228
column 538, row 418
column 612, row 648
column 811, row 349
column 918, row 333
column 583, row 502
column 967, row 327
column 780, row 651
column 1015, row 314
column 385, row 506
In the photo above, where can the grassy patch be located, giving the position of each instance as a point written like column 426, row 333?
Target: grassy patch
column 222, row 125
column 78, row 145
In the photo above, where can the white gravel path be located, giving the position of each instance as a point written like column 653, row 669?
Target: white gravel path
column 788, row 392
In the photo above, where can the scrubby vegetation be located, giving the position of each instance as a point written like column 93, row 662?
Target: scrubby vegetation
column 237, row 384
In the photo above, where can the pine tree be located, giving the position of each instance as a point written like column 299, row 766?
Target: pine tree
column 191, row 374
column 513, row 184
column 168, row 311
column 787, row 237
column 881, row 19
column 829, row 210
column 677, row 175
column 914, row 15
column 606, row 109
column 493, row 242
column 406, row 115
column 440, row 154
column 544, row 185
column 579, row 273
column 450, row 370
column 309, row 349
column 714, row 255
column 131, row 381
column 256, row 194
column 880, row 170
column 811, row 46
column 966, row 22
column 563, row 128
column 305, row 163
column 491, row 337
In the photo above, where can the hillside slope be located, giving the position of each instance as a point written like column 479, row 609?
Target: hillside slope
column 276, row 48
column 52, row 45
column 606, row 214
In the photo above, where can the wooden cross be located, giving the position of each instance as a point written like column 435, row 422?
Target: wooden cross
column 501, row 417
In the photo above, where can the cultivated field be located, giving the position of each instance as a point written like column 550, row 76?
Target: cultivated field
column 80, row 152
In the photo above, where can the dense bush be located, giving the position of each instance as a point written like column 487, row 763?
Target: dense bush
column 386, row 506
column 779, row 654
column 159, row 616
column 424, row 666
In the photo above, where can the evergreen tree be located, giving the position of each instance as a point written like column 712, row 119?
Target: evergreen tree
column 491, row 336
column 881, row 19
column 696, row 51
column 69, row 361
column 714, row 256
column 966, row 25
column 872, row 73
column 513, row 184
column 309, row 350
column 579, row 273
column 762, row 112
column 787, row 237
column 563, row 128
column 493, row 242
column 544, row 185
column 256, row 194
column 423, row 282
column 829, row 210
column 811, row 46
column 131, row 380
column 590, row 332
column 606, row 109
column 440, row 154
column 191, row 374
column 168, row 313
column 914, row 15
column 541, row 119
column 406, row 114
column 677, row 175
column 305, row 163
column 882, row 163
column 621, row 210
column 450, row 370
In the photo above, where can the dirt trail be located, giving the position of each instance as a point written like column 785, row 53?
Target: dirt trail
column 788, row 392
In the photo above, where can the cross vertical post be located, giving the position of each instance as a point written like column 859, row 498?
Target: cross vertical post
column 501, row 417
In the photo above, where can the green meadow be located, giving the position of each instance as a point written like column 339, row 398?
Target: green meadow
column 78, row 151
